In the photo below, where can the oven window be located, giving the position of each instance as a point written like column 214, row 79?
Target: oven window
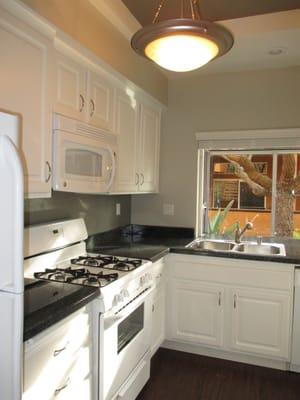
column 130, row 327
column 83, row 162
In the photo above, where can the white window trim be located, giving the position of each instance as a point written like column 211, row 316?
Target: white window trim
column 282, row 140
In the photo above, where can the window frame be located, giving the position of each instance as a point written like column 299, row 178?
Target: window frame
column 267, row 141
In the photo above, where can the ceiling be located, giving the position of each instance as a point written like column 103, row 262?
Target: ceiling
column 259, row 28
column 214, row 10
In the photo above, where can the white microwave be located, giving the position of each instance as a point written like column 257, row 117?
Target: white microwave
column 83, row 157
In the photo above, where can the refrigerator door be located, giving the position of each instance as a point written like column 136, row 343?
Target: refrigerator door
column 11, row 346
column 11, row 208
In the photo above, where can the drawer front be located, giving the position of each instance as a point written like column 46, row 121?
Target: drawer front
column 235, row 272
column 49, row 356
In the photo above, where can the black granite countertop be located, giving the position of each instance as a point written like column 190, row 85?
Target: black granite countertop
column 154, row 242
column 46, row 303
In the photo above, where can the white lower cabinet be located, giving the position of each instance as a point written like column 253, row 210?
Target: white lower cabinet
column 236, row 306
column 261, row 322
column 197, row 312
column 57, row 362
column 158, row 306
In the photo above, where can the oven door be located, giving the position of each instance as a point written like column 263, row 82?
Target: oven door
column 82, row 164
column 124, row 341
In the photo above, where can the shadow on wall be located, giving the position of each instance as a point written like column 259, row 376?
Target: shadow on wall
column 98, row 211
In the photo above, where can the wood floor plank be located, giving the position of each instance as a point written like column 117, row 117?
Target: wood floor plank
column 182, row 376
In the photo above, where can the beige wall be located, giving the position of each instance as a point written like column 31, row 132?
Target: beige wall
column 249, row 100
column 81, row 20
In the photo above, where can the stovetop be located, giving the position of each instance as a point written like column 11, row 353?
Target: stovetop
column 90, row 270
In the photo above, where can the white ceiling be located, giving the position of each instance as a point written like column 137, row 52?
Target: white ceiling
column 254, row 38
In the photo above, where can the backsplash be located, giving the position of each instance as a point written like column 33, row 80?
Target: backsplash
column 98, row 211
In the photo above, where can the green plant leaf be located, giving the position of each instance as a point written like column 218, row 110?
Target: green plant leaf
column 216, row 222
column 229, row 231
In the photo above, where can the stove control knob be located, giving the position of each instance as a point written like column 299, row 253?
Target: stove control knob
column 148, row 277
column 124, row 293
column 117, row 299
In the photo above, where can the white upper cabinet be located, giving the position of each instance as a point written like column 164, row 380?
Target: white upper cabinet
column 70, row 88
column 100, row 98
column 84, row 94
column 149, row 148
column 26, row 57
column 138, row 130
column 127, row 129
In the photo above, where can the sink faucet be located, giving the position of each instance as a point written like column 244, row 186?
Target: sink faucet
column 239, row 232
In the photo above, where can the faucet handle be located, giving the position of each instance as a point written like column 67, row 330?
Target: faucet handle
column 259, row 239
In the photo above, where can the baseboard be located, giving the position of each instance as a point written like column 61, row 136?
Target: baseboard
column 242, row 358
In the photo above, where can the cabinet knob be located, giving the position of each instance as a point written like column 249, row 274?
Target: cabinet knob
column 137, row 178
column 82, row 102
column 234, row 301
column 66, row 384
column 49, row 171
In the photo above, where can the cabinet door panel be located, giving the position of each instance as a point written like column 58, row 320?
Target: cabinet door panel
column 261, row 322
column 71, row 99
column 196, row 312
column 24, row 78
column 149, row 153
column 127, row 132
column 101, row 102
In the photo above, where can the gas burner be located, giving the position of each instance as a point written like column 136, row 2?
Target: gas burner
column 107, row 262
column 80, row 276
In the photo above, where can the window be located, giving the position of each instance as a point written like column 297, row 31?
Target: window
column 258, row 186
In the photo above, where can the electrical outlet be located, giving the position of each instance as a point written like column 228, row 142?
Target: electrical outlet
column 168, row 209
column 118, row 209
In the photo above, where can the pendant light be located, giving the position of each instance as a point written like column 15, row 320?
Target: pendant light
column 182, row 44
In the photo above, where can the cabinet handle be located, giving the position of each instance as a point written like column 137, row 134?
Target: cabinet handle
column 57, row 352
column 153, row 308
column 92, row 108
column 234, row 301
column 82, row 102
column 219, row 299
column 137, row 179
column 49, row 171
column 143, row 179
column 66, row 384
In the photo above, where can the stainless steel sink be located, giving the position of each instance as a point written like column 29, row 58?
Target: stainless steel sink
column 213, row 245
column 265, row 249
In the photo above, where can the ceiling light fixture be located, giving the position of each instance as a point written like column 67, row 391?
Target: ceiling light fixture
column 182, row 44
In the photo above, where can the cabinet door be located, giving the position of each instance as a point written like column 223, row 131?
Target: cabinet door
column 127, row 132
column 149, row 148
column 100, row 105
column 261, row 322
column 196, row 312
column 71, row 96
column 158, row 319
column 24, row 81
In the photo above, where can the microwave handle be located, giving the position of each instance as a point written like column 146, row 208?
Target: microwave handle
column 113, row 168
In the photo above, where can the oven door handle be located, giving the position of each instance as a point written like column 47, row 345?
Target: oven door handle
column 112, row 319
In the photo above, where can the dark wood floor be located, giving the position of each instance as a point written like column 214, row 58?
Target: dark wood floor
column 176, row 375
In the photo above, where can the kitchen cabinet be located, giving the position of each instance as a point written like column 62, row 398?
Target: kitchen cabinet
column 197, row 312
column 260, row 322
column 237, row 306
column 26, row 71
column 138, row 131
column 84, row 93
column 158, row 306
column 57, row 362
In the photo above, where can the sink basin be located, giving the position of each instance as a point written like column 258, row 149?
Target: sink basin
column 212, row 245
column 265, row 249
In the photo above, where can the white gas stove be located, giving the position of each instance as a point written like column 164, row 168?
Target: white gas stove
column 122, row 312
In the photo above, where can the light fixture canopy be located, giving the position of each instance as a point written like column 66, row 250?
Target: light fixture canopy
column 182, row 44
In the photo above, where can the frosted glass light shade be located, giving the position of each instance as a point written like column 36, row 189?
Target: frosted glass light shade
column 181, row 53
column 182, row 44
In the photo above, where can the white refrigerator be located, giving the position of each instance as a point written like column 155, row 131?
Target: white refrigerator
column 11, row 259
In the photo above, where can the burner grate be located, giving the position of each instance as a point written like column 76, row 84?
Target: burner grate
column 107, row 262
column 80, row 276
